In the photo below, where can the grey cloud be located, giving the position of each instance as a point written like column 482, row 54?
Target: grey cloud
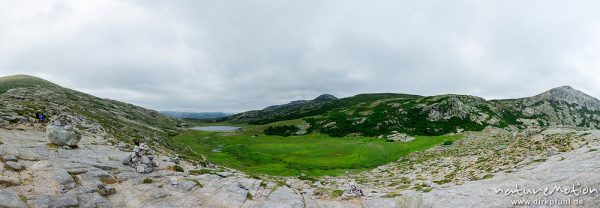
column 241, row 55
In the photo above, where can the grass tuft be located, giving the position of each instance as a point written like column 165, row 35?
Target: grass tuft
column 148, row 180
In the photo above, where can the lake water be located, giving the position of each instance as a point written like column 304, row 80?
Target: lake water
column 216, row 128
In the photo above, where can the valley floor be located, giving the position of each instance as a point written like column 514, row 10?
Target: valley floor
column 58, row 177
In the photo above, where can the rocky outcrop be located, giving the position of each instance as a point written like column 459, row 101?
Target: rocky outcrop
column 576, row 169
column 399, row 137
column 62, row 131
column 568, row 95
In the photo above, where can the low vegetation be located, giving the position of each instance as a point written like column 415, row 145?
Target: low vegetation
column 178, row 168
column 283, row 130
column 148, row 180
column 312, row 154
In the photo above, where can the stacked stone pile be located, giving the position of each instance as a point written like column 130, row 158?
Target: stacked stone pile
column 141, row 159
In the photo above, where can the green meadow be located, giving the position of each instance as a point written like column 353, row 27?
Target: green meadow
column 312, row 154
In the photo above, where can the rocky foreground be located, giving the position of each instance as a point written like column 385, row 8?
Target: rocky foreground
column 36, row 173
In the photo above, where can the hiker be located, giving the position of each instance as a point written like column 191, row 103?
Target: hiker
column 41, row 117
column 37, row 115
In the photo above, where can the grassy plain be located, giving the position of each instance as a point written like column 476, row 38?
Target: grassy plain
column 311, row 154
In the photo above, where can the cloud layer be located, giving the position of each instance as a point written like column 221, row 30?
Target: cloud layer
column 240, row 55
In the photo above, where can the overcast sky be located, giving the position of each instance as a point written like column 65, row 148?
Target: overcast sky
column 239, row 55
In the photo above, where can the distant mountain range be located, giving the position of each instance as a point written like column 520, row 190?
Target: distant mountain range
column 195, row 115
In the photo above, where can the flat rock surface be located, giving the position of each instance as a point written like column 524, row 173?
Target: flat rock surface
column 53, row 176
column 566, row 170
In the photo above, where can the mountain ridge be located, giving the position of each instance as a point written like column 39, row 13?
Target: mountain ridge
column 379, row 114
column 364, row 114
column 195, row 115
column 118, row 121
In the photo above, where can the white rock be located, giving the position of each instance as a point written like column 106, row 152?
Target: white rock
column 63, row 135
column 225, row 174
column 10, row 199
column 284, row 197
column 399, row 137
column 15, row 165
column 9, row 158
column 249, row 184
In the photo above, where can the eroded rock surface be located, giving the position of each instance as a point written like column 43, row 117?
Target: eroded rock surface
column 93, row 175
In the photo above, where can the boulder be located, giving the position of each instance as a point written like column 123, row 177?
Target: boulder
column 399, row 137
column 61, row 131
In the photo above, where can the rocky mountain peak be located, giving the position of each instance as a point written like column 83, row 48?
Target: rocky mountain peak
column 570, row 95
column 325, row 97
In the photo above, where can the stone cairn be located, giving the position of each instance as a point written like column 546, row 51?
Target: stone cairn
column 141, row 159
column 352, row 191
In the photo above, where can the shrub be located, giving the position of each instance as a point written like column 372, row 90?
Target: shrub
column 308, row 178
column 199, row 172
column 178, row 168
column 148, row 180
column 284, row 130
column 249, row 196
column 109, row 180
column 391, row 195
column 198, row 183
column 487, row 176
column 23, row 198
column 337, row 193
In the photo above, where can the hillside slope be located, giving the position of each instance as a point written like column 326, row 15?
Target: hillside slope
column 24, row 95
column 195, row 115
column 380, row 114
